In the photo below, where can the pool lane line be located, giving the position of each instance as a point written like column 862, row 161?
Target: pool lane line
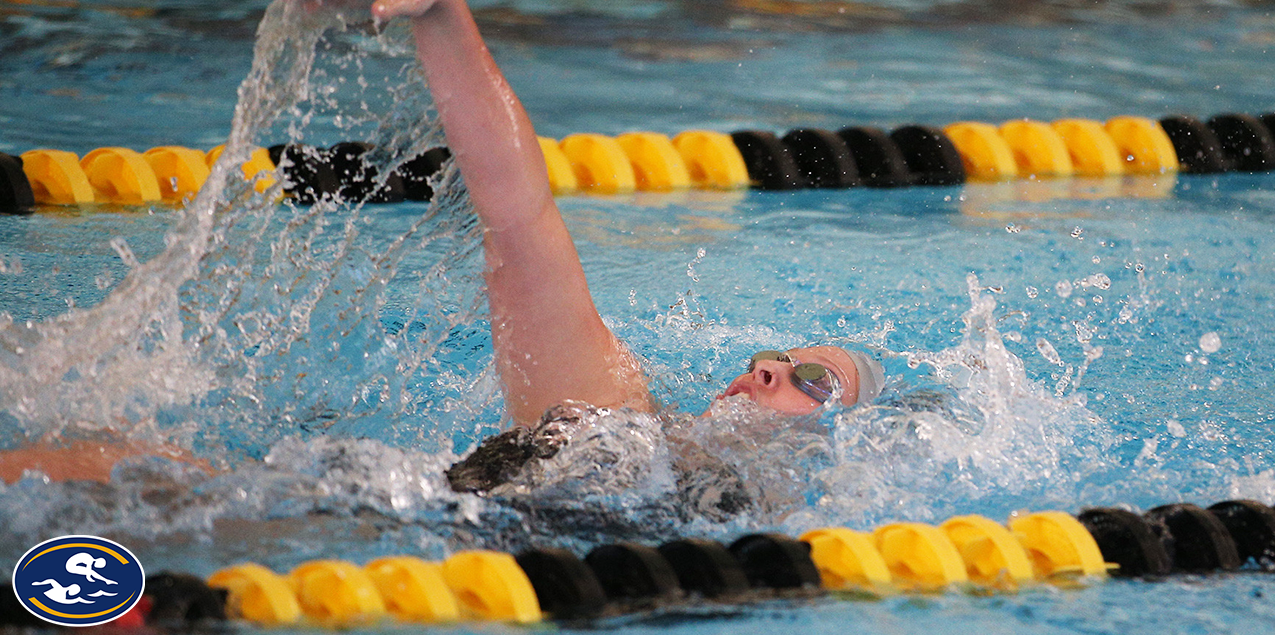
column 967, row 553
column 595, row 164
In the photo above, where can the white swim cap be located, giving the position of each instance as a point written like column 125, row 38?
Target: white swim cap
column 871, row 376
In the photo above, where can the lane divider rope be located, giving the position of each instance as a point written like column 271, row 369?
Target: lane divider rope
column 965, row 553
column 597, row 164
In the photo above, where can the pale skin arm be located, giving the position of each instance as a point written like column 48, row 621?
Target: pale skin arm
column 550, row 342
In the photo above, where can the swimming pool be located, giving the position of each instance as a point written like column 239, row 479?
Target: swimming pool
column 334, row 414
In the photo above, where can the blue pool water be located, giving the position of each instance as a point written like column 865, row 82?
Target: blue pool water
column 1048, row 345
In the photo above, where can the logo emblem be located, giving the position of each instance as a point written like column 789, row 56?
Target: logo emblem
column 78, row 580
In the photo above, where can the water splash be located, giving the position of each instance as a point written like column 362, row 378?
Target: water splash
column 977, row 429
column 215, row 341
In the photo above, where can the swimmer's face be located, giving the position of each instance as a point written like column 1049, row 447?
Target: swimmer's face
column 770, row 383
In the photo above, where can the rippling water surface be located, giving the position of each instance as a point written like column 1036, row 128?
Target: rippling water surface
column 1047, row 344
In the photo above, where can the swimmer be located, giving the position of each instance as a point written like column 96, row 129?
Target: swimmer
column 559, row 364
column 551, row 344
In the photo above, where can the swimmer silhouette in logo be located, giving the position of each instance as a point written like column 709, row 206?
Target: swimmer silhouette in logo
column 84, row 563
column 62, row 594
column 81, row 564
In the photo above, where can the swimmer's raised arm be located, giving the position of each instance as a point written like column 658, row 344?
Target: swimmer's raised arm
column 551, row 344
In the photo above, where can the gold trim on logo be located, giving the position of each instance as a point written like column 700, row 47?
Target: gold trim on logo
column 122, row 559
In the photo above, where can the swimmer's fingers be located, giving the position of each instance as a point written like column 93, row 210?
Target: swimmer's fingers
column 386, row 9
column 313, row 6
column 350, row 11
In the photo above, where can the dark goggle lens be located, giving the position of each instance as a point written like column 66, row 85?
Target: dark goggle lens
column 767, row 356
column 812, row 373
column 814, row 380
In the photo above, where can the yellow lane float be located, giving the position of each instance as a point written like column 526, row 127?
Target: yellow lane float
column 121, row 175
column 599, row 163
column 993, row 557
column 1060, row 548
column 180, row 171
column 257, row 594
column 1092, row 151
column 986, row 155
column 336, row 593
column 712, row 160
column 56, row 177
column 414, row 590
column 491, row 586
column 1143, row 144
column 1037, row 148
column 920, row 557
column 657, row 165
column 847, row 560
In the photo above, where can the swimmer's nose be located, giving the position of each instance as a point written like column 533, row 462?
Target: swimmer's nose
column 768, row 373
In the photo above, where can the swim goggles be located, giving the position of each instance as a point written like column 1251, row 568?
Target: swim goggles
column 813, row 379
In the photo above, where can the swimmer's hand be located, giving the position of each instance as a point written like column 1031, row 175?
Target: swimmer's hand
column 386, row 9
column 382, row 10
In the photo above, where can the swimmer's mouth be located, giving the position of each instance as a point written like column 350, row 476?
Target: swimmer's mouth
column 737, row 388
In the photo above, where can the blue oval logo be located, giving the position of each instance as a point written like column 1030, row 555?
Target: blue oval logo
column 78, row 580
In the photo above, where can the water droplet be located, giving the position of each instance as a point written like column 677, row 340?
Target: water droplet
column 1084, row 331
column 1012, row 228
column 125, row 253
column 1048, row 351
column 1063, row 289
column 1078, row 233
column 1175, row 428
column 1032, row 292
column 1099, row 280
column 1210, row 342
